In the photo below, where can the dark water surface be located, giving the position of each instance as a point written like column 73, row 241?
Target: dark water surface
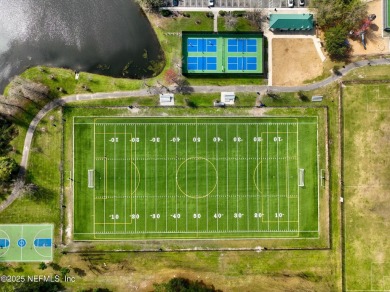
column 110, row 37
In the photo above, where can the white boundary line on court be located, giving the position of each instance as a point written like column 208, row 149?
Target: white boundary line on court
column 166, row 178
column 125, row 200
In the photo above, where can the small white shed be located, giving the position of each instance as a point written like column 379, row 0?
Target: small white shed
column 167, row 99
column 228, row 97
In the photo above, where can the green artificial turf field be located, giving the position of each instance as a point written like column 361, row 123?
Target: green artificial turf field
column 189, row 178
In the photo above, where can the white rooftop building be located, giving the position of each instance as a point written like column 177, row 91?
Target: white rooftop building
column 228, row 97
column 167, row 99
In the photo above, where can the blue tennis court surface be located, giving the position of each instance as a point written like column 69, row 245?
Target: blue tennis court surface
column 242, row 45
column 221, row 53
column 202, row 45
column 4, row 242
column 242, row 63
column 42, row 242
column 202, row 63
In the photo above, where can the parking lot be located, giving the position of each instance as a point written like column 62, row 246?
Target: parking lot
column 239, row 3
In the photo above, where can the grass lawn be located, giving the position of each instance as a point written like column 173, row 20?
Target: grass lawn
column 366, row 173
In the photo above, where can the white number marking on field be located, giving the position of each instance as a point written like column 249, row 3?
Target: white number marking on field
column 196, row 216
column 258, row 215
column 175, row 139
column 238, row 215
column 155, row 140
column 257, row 139
column 237, row 139
column 196, row 139
column 155, row 216
column 114, row 216
column 279, row 215
column 135, row 140
column 217, row 139
column 134, row 216
column 218, row 215
column 114, row 140
column 176, row 216
column 278, row 139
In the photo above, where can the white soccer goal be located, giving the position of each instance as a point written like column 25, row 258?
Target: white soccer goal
column 301, row 177
column 91, row 181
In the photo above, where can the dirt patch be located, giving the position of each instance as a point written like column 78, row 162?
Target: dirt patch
column 376, row 44
column 294, row 61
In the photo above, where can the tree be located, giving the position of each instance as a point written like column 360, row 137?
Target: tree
column 39, row 287
column 8, row 167
column 171, row 76
column 335, row 42
column 64, row 271
column 184, row 285
column 42, row 266
column 230, row 22
column 152, row 4
column 349, row 13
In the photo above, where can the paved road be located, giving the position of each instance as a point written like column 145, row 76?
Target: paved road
column 144, row 92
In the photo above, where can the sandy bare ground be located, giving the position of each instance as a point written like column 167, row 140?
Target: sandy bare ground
column 376, row 44
column 294, row 60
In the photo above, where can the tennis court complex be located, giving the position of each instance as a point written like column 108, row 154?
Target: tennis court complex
column 26, row 242
column 222, row 53
column 189, row 178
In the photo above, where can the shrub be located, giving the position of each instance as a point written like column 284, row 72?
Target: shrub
column 222, row 13
column 238, row 13
column 166, row 13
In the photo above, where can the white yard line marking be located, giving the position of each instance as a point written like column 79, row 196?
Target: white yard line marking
column 115, row 180
column 299, row 201
column 247, row 178
column 227, row 179
column 166, row 178
column 277, row 172
column 145, row 175
column 105, row 177
column 155, row 178
column 176, row 178
column 134, row 184
column 186, row 178
column 288, row 186
column 267, row 182
column 216, row 157
column 207, row 183
column 126, row 177
column 237, row 176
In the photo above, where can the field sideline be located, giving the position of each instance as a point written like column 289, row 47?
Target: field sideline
column 188, row 178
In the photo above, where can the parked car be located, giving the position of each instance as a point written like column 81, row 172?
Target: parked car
column 211, row 3
column 290, row 3
column 301, row 2
column 175, row 2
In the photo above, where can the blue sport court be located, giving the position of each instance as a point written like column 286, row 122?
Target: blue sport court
column 202, row 63
column 221, row 53
column 242, row 63
column 242, row 45
column 202, row 45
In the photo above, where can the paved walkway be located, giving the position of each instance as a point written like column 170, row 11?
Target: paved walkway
column 143, row 92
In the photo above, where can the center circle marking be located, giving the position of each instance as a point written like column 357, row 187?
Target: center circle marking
column 22, row 242
column 206, row 167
